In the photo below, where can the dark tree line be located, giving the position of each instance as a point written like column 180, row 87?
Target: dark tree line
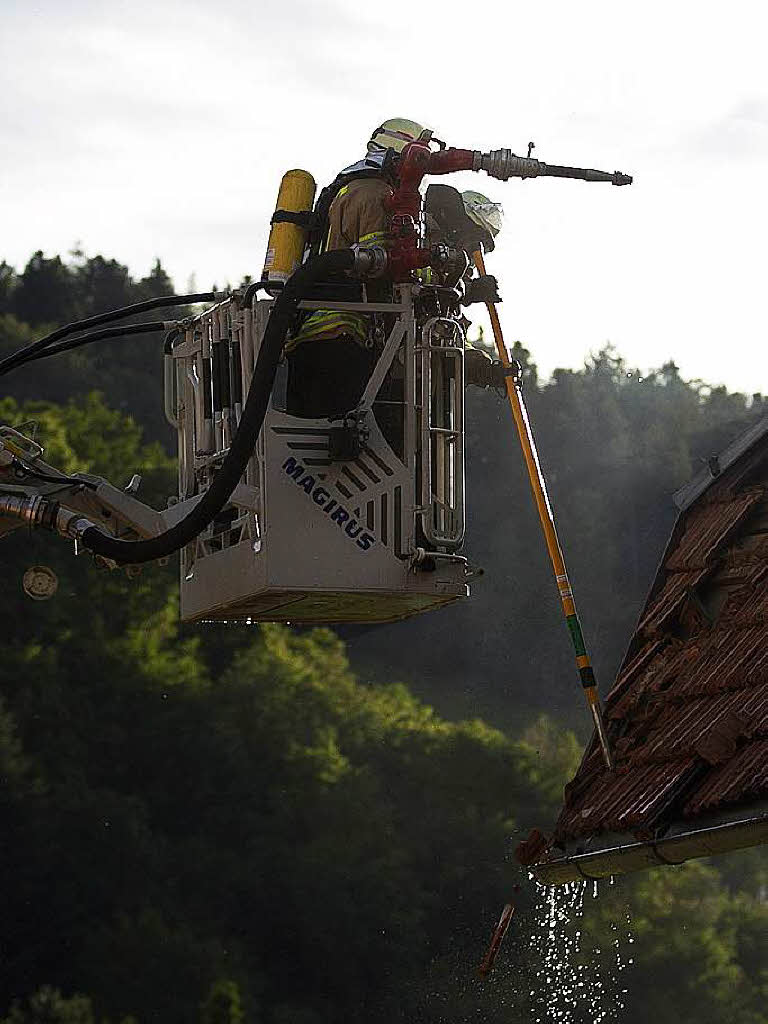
column 49, row 292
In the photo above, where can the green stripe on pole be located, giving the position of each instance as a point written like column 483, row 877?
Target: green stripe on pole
column 577, row 638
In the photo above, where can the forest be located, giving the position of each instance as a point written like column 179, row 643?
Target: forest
column 266, row 825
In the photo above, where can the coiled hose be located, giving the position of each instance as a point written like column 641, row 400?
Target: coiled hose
column 232, row 468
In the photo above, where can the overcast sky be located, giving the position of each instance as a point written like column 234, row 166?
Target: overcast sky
column 144, row 130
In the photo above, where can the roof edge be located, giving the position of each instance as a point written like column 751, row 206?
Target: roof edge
column 672, row 849
column 686, row 495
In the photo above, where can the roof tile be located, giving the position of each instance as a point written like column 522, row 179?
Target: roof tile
column 688, row 715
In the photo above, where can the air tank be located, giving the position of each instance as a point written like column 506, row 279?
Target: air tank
column 288, row 235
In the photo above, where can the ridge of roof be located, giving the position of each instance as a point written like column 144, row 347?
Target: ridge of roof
column 685, row 496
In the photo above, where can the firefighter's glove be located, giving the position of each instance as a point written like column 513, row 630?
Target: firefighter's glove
column 478, row 368
column 484, row 372
column 481, row 289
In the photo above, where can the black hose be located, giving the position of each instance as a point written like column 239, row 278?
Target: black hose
column 232, row 468
column 255, row 286
column 109, row 332
column 170, row 340
column 104, row 318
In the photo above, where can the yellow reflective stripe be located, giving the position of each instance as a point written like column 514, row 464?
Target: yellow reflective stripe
column 319, row 339
column 342, row 191
column 321, row 316
column 332, row 326
column 374, row 236
column 328, row 322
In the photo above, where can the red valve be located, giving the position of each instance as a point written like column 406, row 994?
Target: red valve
column 416, row 161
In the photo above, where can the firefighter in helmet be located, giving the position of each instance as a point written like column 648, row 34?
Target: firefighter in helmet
column 330, row 356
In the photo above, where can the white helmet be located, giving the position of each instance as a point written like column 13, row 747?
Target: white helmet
column 395, row 134
column 483, row 212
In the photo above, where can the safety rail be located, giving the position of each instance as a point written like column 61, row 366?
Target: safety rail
column 208, row 373
column 441, row 358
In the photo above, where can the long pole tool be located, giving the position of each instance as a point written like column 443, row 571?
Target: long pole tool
column 547, row 518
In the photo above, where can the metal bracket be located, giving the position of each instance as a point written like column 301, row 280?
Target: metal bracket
column 381, row 369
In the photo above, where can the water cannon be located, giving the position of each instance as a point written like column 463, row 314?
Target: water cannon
column 418, row 159
column 504, row 164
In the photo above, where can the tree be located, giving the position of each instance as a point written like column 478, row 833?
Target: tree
column 7, row 286
column 222, row 1005
column 45, row 292
column 49, row 1006
column 102, row 284
column 689, row 950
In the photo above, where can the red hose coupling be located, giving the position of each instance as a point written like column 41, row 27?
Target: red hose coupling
column 405, row 258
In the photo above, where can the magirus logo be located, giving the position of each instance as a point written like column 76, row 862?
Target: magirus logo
column 321, row 497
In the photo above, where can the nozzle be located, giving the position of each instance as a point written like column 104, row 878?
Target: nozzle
column 585, row 174
column 504, row 164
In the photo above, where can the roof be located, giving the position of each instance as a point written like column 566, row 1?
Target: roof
column 688, row 494
column 687, row 718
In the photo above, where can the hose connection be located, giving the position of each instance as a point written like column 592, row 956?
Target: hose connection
column 503, row 164
column 50, row 515
column 370, row 261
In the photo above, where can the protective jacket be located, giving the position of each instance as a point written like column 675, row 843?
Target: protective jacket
column 357, row 214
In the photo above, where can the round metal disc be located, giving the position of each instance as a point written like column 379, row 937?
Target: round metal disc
column 40, row 583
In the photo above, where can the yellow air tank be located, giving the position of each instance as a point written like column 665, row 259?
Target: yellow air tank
column 288, row 236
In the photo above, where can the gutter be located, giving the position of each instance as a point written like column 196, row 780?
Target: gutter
column 671, row 849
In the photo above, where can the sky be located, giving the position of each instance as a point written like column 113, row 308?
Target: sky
column 143, row 130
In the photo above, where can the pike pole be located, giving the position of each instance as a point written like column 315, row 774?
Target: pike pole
column 546, row 516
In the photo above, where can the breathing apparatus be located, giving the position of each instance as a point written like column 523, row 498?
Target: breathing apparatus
column 289, row 228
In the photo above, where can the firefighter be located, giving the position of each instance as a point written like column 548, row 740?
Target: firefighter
column 330, row 357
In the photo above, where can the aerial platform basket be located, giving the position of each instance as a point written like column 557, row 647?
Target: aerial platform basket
column 332, row 521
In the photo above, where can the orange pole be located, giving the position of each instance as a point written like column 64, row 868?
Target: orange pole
column 547, row 519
